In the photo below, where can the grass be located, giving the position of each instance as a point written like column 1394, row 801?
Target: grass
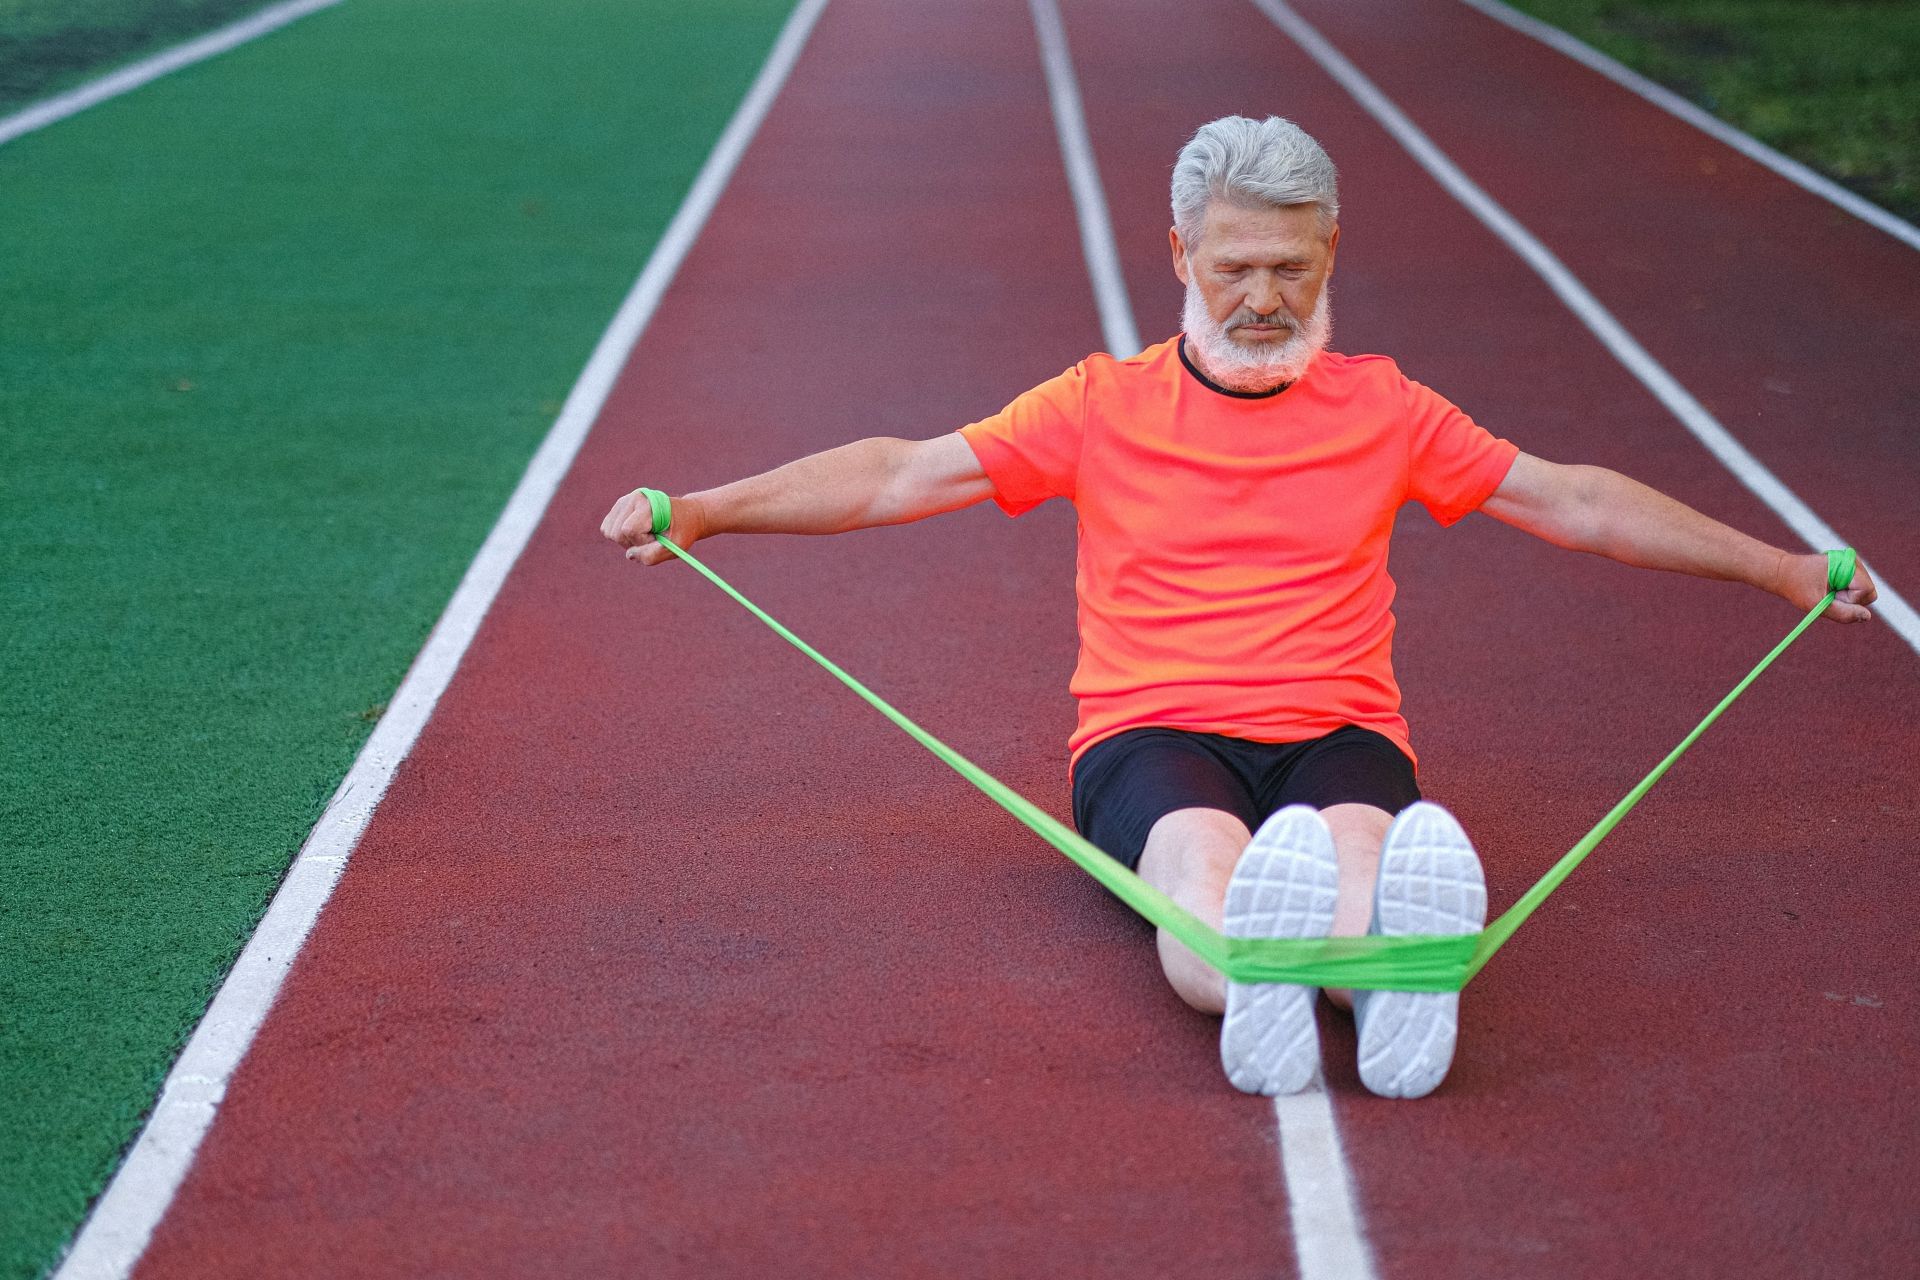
column 1833, row 83
column 280, row 333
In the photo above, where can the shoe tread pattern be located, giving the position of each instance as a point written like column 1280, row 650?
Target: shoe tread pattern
column 1430, row 883
column 1283, row 887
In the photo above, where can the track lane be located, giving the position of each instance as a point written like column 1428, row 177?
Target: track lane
column 663, row 954
column 1680, row 1025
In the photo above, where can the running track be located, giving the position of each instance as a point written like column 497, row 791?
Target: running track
column 663, row 956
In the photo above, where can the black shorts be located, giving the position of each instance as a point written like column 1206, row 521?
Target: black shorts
column 1124, row 784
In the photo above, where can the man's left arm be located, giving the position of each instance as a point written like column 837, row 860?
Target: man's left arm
column 1594, row 509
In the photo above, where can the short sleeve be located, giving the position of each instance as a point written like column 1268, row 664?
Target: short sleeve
column 1454, row 463
column 1030, row 450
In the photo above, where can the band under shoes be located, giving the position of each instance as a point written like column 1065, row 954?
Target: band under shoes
column 1284, row 887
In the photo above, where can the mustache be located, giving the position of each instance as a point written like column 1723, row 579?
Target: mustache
column 1247, row 315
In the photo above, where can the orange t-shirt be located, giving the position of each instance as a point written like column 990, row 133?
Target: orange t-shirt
column 1232, row 573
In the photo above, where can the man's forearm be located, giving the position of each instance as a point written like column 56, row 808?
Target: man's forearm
column 857, row 486
column 1636, row 525
column 1594, row 509
column 830, row 492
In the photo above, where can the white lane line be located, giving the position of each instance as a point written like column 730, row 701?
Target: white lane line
column 1083, row 176
column 129, row 78
column 1329, row 1242
column 123, row 1221
column 1891, row 608
column 1667, row 100
column 1328, row 1238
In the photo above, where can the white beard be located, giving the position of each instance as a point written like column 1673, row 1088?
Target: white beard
column 1241, row 367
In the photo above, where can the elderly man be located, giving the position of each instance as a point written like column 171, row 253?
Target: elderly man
column 1240, row 740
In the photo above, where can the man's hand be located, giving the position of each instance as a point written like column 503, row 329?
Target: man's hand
column 630, row 524
column 1803, row 580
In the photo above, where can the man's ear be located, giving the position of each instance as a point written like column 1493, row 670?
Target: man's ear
column 1333, row 246
column 1180, row 253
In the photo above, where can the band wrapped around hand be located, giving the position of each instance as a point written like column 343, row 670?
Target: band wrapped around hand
column 1840, row 568
column 662, row 508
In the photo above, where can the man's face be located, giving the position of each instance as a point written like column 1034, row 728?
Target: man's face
column 1260, row 271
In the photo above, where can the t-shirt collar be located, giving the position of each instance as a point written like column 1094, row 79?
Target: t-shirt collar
column 1211, row 385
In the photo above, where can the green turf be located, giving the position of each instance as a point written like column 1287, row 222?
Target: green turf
column 1833, row 83
column 50, row 45
column 277, row 335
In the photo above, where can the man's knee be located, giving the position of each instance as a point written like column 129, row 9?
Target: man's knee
column 1193, row 845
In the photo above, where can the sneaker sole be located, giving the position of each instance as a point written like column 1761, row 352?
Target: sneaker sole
column 1283, row 887
column 1430, row 882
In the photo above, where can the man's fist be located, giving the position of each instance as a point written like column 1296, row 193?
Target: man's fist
column 630, row 524
column 1805, row 584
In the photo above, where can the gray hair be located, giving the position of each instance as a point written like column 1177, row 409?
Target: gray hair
column 1270, row 162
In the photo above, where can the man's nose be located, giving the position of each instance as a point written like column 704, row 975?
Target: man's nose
column 1263, row 295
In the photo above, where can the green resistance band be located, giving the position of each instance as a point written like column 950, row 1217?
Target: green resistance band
column 1420, row 963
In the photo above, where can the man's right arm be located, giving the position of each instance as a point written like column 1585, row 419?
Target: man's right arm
column 856, row 486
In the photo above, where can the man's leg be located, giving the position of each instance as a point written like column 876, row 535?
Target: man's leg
column 1174, row 807
column 1177, row 807
column 1279, row 883
column 1190, row 856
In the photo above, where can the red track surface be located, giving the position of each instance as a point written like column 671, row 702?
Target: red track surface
column 664, row 956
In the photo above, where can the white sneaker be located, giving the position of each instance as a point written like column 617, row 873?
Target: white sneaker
column 1282, row 887
column 1430, row 882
